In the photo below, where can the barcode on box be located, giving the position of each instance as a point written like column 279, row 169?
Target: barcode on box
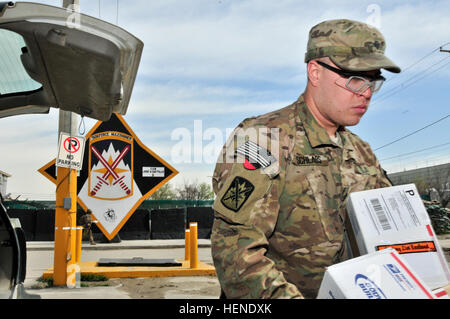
column 380, row 213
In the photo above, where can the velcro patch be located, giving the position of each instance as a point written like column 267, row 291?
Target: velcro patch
column 237, row 194
column 255, row 156
column 308, row 160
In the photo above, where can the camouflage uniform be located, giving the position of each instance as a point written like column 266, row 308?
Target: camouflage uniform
column 280, row 219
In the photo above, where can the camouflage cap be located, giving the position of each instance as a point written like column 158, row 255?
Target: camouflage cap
column 351, row 45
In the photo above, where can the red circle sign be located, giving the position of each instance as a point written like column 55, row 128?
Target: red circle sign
column 71, row 144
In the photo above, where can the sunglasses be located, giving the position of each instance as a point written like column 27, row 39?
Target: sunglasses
column 357, row 82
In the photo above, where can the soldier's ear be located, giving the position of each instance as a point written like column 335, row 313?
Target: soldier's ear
column 313, row 71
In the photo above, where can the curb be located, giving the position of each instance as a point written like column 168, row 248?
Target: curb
column 115, row 246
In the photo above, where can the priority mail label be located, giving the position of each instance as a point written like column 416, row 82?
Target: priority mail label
column 153, row 171
column 380, row 275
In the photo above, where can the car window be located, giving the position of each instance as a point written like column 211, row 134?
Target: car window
column 13, row 77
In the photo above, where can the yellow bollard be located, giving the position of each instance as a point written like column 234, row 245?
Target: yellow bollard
column 193, row 246
column 187, row 244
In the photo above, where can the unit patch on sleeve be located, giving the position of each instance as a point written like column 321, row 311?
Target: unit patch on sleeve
column 237, row 194
column 255, row 156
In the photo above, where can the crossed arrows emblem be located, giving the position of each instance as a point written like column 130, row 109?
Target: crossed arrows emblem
column 110, row 171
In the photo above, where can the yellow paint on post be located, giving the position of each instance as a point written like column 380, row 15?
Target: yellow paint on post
column 91, row 268
column 78, row 243
column 187, row 244
column 193, row 246
column 65, row 221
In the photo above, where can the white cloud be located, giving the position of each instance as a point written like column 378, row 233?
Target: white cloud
column 189, row 99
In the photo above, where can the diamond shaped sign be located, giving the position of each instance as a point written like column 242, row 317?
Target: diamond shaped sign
column 118, row 174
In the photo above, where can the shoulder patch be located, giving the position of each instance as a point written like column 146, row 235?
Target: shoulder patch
column 237, row 194
column 255, row 156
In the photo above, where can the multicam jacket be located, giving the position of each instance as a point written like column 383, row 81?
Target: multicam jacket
column 280, row 203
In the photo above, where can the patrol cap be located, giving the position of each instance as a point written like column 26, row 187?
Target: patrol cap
column 351, row 45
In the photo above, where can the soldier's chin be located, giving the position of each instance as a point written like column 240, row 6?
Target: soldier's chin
column 353, row 121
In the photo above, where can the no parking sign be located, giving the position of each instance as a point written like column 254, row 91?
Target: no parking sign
column 70, row 151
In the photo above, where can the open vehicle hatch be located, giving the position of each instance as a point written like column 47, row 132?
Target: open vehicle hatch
column 65, row 60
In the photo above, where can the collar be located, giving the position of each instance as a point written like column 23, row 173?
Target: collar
column 316, row 134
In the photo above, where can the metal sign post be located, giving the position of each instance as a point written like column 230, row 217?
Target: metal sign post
column 66, row 209
column 66, row 205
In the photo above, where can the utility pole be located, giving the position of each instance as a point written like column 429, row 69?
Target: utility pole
column 66, row 202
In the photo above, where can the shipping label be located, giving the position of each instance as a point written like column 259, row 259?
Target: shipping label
column 392, row 212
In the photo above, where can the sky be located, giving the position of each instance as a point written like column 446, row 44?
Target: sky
column 209, row 64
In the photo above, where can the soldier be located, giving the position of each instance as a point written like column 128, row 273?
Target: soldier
column 283, row 178
column 86, row 222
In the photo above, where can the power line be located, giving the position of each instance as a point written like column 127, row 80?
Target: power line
column 414, row 79
column 418, row 151
column 418, row 61
column 403, row 137
column 426, row 56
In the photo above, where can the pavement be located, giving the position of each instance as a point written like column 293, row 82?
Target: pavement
column 40, row 259
column 124, row 244
column 444, row 241
column 162, row 248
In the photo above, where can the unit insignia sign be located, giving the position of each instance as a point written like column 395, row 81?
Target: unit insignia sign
column 118, row 174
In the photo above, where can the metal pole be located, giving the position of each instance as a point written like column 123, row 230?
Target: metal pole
column 65, row 217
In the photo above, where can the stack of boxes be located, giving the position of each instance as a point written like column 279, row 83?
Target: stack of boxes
column 396, row 252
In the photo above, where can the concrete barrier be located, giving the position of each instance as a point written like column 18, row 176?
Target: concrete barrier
column 39, row 224
column 45, row 225
column 137, row 226
column 168, row 223
column 27, row 221
column 204, row 216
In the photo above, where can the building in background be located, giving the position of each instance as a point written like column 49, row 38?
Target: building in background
column 432, row 181
column 3, row 180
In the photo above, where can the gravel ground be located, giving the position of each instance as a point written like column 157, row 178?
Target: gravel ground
column 192, row 287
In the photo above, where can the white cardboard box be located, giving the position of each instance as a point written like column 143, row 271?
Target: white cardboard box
column 380, row 275
column 396, row 217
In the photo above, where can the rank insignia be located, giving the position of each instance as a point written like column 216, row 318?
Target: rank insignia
column 237, row 194
column 255, row 156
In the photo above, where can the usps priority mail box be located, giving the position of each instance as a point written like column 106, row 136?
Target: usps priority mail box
column 396, row 217
column 380, row 275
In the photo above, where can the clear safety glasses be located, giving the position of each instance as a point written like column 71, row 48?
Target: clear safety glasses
column 357, row 82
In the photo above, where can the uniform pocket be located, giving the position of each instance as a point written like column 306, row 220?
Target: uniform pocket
column 362, row 178
column 310, row 205
column 328, row 200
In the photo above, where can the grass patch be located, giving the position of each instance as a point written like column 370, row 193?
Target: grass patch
column 93, row 277
column 43, row 283
column 85, row 280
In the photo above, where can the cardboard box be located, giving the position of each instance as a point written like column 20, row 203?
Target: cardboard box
column 396, row 217
column 442, row 293
column 383, row 274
